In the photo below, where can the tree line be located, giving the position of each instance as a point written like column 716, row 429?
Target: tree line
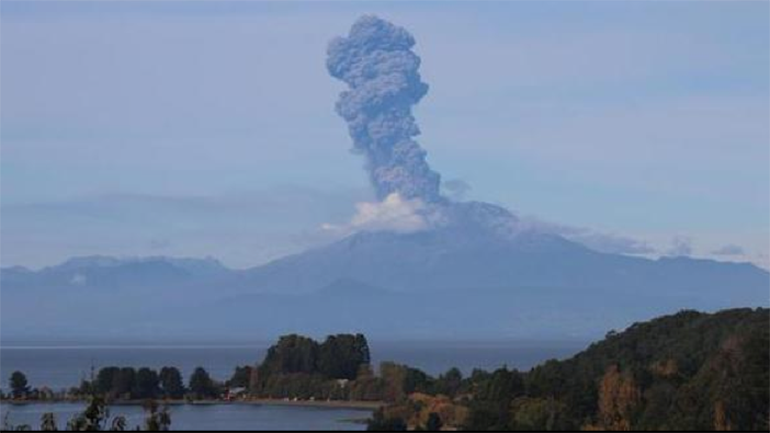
column 128, row 383
column 687, row 371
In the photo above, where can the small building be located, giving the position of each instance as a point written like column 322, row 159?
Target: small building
column 236, row 393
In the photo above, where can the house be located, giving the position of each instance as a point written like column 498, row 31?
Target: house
column 236, row 393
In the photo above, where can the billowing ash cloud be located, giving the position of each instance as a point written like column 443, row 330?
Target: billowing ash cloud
column 375, row 60
column 377, row 63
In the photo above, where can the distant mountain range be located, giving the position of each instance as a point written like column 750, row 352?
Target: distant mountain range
column 454, row 282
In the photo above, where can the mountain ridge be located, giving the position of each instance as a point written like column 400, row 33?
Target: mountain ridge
column 459, row 281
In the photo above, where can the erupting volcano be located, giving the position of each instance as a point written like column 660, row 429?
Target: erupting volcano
column 446, row 269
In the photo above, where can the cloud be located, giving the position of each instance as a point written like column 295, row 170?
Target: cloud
column 762, row 260
column 729, row 250
column 611, row 243
column 394, row 213
column 681, row 247
column 595, row 240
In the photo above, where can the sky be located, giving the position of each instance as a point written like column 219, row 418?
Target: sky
column 208, row 128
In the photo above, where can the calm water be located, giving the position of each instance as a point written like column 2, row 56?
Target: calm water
column 208, row 417
column 64, row 367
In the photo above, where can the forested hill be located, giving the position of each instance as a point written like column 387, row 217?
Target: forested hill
column 688, row 371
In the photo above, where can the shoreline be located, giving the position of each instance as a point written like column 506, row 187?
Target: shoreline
column 330, row 404
column 336, row 404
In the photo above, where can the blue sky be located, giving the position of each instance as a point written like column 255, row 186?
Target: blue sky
column 207, row 128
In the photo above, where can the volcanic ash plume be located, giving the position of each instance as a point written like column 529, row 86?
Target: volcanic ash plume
column 381, row 71
column 378, row 65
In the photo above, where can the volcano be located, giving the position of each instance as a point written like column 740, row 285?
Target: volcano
column 469, row 269
column 460, row 281
column 465, row 259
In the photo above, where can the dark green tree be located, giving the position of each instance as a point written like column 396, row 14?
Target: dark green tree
column 106, row 380
column 171, row 383
column 124, row 383
column 341, row 356
column 417, row 380
column 146, row 384
column 18, row 384
column 201, row 384
column 241, row 377
column 449, row 383
column 292, row 354
column 490, row 407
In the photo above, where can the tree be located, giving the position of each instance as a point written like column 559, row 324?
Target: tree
column 124, row 382
column 292, row 354
column 393, row 377
column 106, row 380
column 18, row 384
column 417, row 380
column 48, row 422
column 93, row 418
column 201, row 385
column 450, row 382
column 146, row 384
column 618, row 399
column 379, row 422
column 96, row 417
column 171, row 383
column 340, row 356
column 491, row 403
column 537, row 414
column 241, row 377
column 157, row 420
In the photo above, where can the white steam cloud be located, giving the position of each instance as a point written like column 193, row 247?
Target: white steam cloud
column 394, row 213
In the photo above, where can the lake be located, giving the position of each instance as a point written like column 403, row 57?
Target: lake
column 207, row 417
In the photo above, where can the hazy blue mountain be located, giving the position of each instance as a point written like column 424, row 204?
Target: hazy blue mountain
column 466, row 260
column 455, row 282
column 192, row 266
column 111, row 273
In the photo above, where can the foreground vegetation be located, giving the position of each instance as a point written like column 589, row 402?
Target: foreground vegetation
column 689, row 371
column 682, row 372
column 96, row 417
